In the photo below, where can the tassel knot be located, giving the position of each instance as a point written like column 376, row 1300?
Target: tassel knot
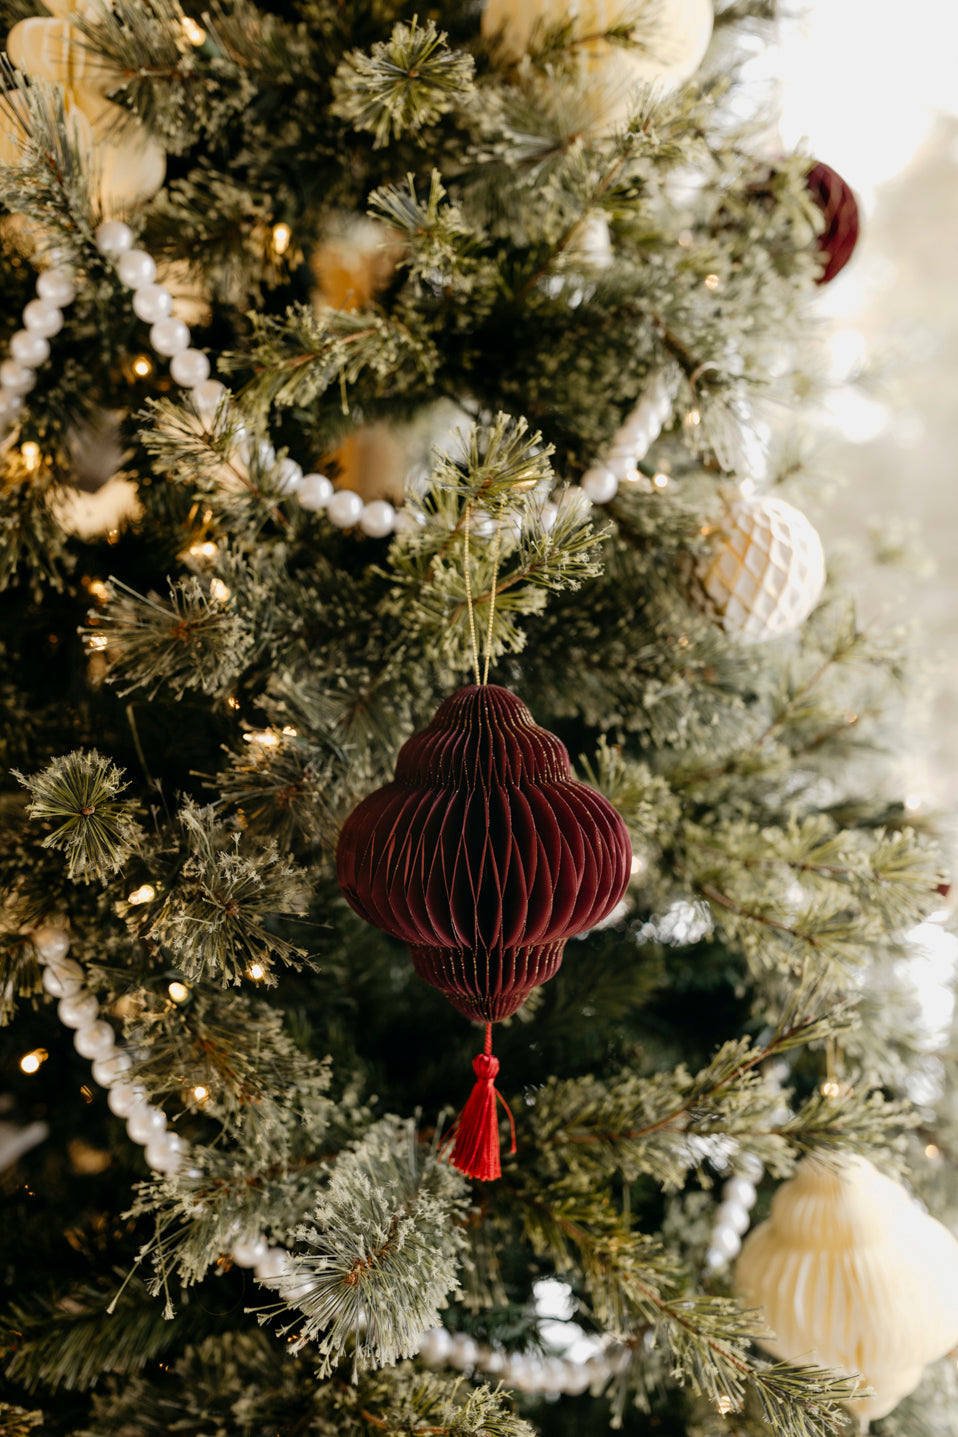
column 485, row 1067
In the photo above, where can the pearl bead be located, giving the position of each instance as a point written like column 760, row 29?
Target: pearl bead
column 66, row 977
column 124, row 1097
column 16, row 377
column 113, row 237
column 170, row 336
column 272, row 1267
column 732, row 1215
column 739, row 1190
column 56, row 286
column 190, row 367
column 53, row 944
column 10, row 406
column 345, row 509
column 136, row 269
column 107, row 1071
column 727, row 1242
column 288, row 476
column 145, row 1123
column 29, row 348
column 207, row 398
column 250, row 1251
column 94, row 1040
column 435, row 1346
column 750, row 1166
column 42, row 318
column 152, row 302
column 464, row 1351
column 315, row 491
column 715, row 1259
column 377, row 518
column 165, row 1153
column 79, row 1009
column 600, row 485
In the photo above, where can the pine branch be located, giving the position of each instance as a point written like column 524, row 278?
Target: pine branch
column 403, row 84
column 96, row 829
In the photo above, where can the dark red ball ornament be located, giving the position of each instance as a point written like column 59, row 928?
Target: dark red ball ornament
column 837, row 203
column 484, row 855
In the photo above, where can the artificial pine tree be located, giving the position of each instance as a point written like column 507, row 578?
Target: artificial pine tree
column 429, row 262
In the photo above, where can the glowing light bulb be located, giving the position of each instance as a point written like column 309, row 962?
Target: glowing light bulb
column 913, row 801
column 638, row 865
column 257, row 972
column 205, row 550
column 30, row 454
column 96, row 643
column 30, row 1062
column 99, row 590
column 660, row 481
column 830, row 1089
column 265, row 737
column 693, row 418
column 724, row 1404
column 193, row 32
column 178, row 992
column 747, row 488
column 932, row 1151
column 290, row 732
column 200, row 1093
column 712, row 281
column 232, row 703
column 282, row 234
column 142, row 366
column 219, row 590
column 144, row 894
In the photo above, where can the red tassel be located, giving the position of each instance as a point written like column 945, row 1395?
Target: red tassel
column 475, row 1150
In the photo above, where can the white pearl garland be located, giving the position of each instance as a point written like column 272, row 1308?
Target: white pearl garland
column 190, row 369
column 166, row 1152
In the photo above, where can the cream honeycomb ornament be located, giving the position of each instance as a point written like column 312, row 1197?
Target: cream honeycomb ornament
column 765, row 572
column 668, row 39
column 854, row 1275
column 130, row 165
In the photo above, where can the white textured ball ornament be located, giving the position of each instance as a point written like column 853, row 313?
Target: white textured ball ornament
column 669, row 42
column 854, row 1275
column 766, row 572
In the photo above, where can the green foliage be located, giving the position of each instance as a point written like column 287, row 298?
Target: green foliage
column 382, row 1249
column 405, row 82
column 79, row 792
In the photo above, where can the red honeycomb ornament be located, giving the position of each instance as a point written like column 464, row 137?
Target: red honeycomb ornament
column 837, row 203
column 485, row 855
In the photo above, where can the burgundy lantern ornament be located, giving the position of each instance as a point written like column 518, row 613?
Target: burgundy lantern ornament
column 484, row 855
column 837, row 203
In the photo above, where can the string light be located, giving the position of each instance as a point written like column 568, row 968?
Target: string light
column 712, row 281
column 282, row 234
column 265, row 737
column 830, row 1089
column 693, row 418
column 30, row 454
column 724, row 1404
column 178, row 991
column 194, row 32
column 113, row 536
column 932, row 1151
column 257, row 972
column 290, row 732
column 660, row 480
column 142, row 366
column 200, row 1093
column 232, row 703
column 205, row 550
column 99, row 590
column 638, row 865
column 30, row 1062
column 219, row 590
column 96, row 643
column 913, row 801
column 747, row 488
column 144, row 894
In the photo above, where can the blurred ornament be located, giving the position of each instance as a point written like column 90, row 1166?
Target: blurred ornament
column 851, row 1271
column 837, row 203
column 354, row 263
column 765, row 572
column 129, row 164
column 484, row 855
column 666, row 45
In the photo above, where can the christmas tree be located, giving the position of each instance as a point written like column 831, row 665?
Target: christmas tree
column 375, row 363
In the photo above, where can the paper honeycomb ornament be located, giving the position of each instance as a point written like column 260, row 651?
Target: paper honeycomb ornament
column 765, row 572
column 836, row 200
column 667, row 44
column 484, row 855
column 854, row 1275
column 129, row 164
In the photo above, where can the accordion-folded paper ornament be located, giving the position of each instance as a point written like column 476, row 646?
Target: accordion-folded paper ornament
column 484, row 855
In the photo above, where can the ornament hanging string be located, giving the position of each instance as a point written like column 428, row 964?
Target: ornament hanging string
column 469, row 605
column 492, row 601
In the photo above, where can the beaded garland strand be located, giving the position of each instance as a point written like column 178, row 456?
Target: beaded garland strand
column 190, row 368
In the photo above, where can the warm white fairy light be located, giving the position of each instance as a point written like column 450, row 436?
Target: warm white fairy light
column 724, row 1404
column 30, row 454
column 144, row 894
column 265, row 737
column 830, row 1089
column 142, row 366
column 290, row 732
column 219, row 590
column 282, row 234
column 99, row 590
column 200, row 1093
column 205, row 549
column 257, row 972
column 932, row 1151
column 193, row 31
column 711, row 281
column 96, row 643
column 178, row 991
column 30, row 1062
column 661, row 481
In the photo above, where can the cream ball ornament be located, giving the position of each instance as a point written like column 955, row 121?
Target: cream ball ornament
column 668, row 40
column 765, row 570
column 854, row 1275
